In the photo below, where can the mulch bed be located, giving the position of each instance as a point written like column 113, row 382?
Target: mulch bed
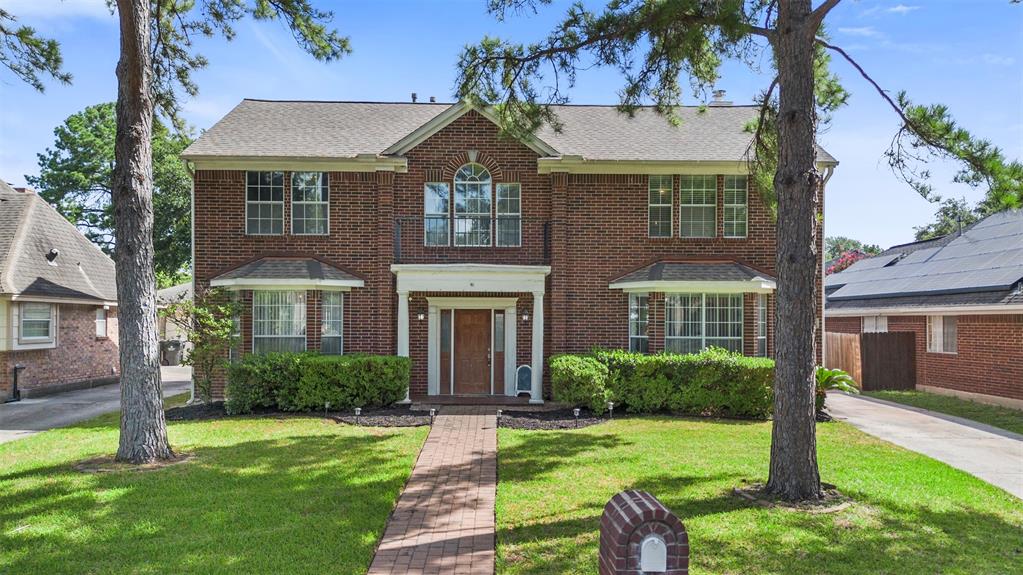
column 385, row 417
column 832, row 502
column 549, row 420
column 196, row 411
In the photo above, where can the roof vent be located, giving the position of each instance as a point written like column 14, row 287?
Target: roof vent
column 52, row 255
column 414, row 97
column 25, row 190
column 719, row 99
column 433, row 99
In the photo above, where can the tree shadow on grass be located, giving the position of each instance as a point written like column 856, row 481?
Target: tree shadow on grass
column 294, row 504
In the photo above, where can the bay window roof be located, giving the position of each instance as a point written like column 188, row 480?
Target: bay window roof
column 722, row 276
column 284, row 272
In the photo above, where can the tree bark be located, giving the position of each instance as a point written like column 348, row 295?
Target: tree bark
column 793, row 473
column 143, row 429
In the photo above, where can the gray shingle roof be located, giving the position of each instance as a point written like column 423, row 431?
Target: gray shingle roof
column 987, row 257
column 29, row 229
column 286, row 268
column 174, row 294
column 693, row 272
column 296, row 129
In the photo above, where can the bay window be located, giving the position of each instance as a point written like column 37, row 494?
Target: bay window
column 332, row 324
column 639, row 310
column 761, row 325
column 278, row 321
column 696, row 321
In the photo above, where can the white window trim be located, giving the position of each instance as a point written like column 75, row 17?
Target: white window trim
column 937, row 344
column 634, row 305
column 725, row 206
column 305, row 317
column 428, row 215
column 517, row 216
column 714, row 204
column 468, row 216
column 341, row 312
column 21, row 342
column 669, row 205
column 703, row 321
column 325, row 184
column 249, row 203
column 104, row 321
column 874, row 324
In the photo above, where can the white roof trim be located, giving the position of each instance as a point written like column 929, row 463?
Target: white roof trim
column 442, row 120
column 755, row 285
column 279, row 283
column 470, row 278
column 360, row 163
column 580, row 165
column 926, row 310
column 66, row 300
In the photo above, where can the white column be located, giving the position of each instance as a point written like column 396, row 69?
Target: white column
column 536, row 394
column 403, row 331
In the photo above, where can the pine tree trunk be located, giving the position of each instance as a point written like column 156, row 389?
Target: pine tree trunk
column 793, row 474
column 143, row 430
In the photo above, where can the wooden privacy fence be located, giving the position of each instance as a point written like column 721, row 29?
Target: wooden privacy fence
column 875, row 360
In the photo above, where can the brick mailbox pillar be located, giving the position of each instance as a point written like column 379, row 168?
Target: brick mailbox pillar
column 639, row 535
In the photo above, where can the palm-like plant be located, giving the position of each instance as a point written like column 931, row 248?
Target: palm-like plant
column 833, row 379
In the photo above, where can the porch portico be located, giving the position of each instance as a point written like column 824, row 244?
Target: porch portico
column 473, row 322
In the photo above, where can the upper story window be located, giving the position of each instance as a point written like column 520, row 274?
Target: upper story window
column 264, row 203
column 698, row 206
column 436, row 207
column 37, row 322
column 309, row 203
column 942, row 334
column 509, row 215
column 696, row 321
column 659, row 206
column 736, row 199
column 472, row 206
column 639, row 322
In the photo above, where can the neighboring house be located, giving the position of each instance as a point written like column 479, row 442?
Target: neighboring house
column 962, row 295
column 167, row 328
column 418, row 229
column 58, row 301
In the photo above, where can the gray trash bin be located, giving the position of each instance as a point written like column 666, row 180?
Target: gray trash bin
column 171, row 351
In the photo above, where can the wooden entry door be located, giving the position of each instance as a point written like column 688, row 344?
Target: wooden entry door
column 472, row 351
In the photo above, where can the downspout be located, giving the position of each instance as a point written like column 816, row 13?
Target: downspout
column 829, row 172
column 189, row 167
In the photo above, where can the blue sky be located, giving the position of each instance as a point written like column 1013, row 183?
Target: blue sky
column 967, row 54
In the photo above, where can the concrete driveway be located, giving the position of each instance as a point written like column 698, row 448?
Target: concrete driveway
column 29, row 416
column 992, row 454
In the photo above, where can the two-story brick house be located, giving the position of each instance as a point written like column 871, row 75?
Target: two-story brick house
column 419, row 229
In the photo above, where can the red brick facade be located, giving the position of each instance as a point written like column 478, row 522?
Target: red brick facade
column 590, row 229
column 988, row 361
column 80, row 358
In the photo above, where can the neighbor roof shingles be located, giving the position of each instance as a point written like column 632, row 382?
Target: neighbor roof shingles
column 29, row 229
column 295, row 129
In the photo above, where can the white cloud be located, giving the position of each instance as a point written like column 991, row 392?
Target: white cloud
column 57, row 9
column 902, row 9
column 998, row 60
column 865, row 31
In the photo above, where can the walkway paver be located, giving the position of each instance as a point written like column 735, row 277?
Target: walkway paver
column 444, row 520
column 992, row 455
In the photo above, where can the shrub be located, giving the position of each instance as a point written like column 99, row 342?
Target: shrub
column 261, row 380
column 579, row 380
column 306, row 381
column 836, row 379
column 350, row 381
column 713, row 382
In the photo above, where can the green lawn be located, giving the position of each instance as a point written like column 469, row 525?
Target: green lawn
column 1003, row 417
column 912, row 514
column 279, row 496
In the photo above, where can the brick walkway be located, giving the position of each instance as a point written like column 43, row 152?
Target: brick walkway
column 444, row 520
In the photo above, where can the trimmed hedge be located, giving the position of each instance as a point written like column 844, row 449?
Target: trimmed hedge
column 713, row 382
column 307, row 381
